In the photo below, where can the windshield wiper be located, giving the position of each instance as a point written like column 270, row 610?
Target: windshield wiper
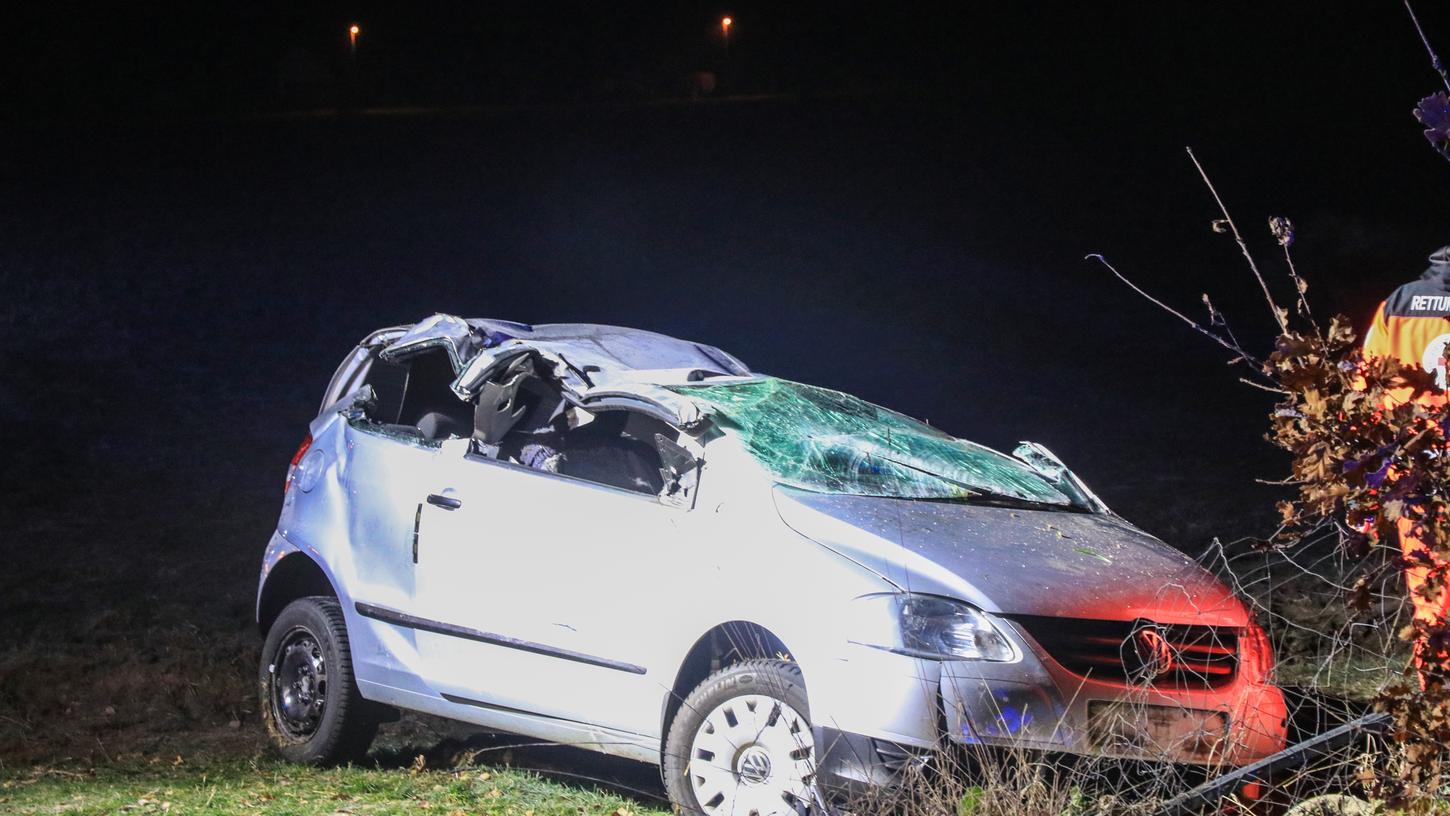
column 1016, row 502
column 976, row 494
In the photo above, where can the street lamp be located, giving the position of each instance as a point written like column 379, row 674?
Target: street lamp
column 725, row 23
column 352, row 32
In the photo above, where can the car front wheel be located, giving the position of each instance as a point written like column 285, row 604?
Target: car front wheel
column 309, row 698
column 742, row 744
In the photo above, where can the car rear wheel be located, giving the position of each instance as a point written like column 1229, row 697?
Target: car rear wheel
column 742, row 744
column 310, row 700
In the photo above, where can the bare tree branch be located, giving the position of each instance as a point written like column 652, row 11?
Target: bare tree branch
column 1262, row 387
column 1235, row 348
column 1434, row 58
column 1299, row 287
column 1243, row 247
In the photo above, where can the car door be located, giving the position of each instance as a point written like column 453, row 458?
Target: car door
column 540, row 586
column 388, row 458
column 381, row 469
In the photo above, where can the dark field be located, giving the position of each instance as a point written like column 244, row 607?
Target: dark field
column 176, row 296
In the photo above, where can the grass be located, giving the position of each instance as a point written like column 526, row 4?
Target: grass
column 271, row 787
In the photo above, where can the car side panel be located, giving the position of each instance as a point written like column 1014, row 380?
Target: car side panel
column 734, row 560
column 552, row 564
column 731, row 559
column 550, row 729
column 356, row 521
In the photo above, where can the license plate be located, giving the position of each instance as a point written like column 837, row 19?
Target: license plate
column 1152, row 731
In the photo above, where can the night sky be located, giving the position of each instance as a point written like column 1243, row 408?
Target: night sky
column 204, row 209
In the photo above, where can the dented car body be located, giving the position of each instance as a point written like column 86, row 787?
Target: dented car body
column 567, row 530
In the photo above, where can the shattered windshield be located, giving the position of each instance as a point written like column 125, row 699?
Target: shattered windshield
column 829, row 442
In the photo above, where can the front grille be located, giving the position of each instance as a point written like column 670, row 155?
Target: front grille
column 1170, row 656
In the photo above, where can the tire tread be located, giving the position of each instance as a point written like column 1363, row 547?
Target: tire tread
column 677, row 743
column 349, row 726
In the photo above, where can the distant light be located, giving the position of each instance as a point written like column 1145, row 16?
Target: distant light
column 354, row 31
column 726, row 22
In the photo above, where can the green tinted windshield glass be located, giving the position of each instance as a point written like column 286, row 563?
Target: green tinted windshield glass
column 828, row 442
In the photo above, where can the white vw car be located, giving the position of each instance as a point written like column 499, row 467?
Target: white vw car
column 632, row 543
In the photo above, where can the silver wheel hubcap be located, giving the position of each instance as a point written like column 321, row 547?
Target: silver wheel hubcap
column 752, row 756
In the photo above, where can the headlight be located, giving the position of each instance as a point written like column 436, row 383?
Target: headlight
column 931, row 627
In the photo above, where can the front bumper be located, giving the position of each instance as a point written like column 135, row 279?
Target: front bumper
column 849, row 766
column 1044, row 707
column 882, row 709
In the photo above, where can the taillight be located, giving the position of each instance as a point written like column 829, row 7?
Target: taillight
column 296, row 458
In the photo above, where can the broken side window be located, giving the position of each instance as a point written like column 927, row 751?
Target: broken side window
column 429, row 404
column 524, row 419
column 615, row 448
column 388, row 381
column 411, row 400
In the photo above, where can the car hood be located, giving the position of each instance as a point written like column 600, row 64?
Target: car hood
column 1015, row 561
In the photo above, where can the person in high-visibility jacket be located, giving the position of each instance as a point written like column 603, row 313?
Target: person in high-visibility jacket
column 1413, row 326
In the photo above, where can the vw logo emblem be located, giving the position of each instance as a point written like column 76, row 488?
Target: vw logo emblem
column 754, row 765
column 1151, row 655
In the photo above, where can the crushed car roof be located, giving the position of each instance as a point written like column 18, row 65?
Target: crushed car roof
column 615, row 347
column 598, row 366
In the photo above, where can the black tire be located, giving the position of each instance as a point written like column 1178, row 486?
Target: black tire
column 310, row 702
column 779, row 679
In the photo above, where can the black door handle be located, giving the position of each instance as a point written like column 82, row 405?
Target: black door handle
column 445, row 502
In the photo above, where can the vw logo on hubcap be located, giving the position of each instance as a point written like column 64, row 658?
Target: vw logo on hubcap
column 752, row 756
column 754, row 765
